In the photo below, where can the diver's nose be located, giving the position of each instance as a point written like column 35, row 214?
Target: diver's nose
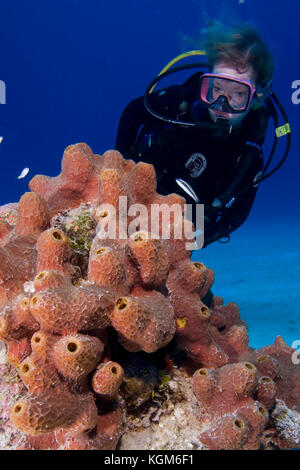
column 221, row 101
column 225, row 95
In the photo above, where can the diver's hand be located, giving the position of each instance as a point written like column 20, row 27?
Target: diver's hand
column 212, row 211
column 210, row 214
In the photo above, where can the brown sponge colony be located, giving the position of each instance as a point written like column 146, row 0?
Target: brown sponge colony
column 66, row 313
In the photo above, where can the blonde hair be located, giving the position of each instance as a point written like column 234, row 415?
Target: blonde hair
column 238, row 46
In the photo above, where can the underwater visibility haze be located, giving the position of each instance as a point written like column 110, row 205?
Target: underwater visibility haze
column 68, row 69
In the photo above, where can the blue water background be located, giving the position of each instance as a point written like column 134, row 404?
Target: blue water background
column 70, row 67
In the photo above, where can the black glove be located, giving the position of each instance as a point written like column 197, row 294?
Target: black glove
column 211, row 212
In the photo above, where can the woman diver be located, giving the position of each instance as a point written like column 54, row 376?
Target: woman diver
column 204, row 137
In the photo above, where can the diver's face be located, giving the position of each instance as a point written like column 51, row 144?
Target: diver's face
column 234, row 92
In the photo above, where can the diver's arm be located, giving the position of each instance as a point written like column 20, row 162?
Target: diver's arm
column 238, row 203
column 249, row 165
column 251, row 160
column 231, row 220
column 133, row 116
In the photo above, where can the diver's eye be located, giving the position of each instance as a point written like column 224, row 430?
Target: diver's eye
column 239, row 95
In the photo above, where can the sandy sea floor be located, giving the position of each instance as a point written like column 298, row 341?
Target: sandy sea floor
column 260, row 271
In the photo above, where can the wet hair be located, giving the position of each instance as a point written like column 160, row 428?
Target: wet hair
column 239, row 46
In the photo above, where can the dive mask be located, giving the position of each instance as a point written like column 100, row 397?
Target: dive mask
column 226, row 94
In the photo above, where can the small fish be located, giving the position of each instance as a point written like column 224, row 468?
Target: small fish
column 188, row 189
column 23, row 173
column 241, row 1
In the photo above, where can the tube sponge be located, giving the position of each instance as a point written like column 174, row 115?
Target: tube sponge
column 204, row 383
column 266, row 391
column 230, row 435
column 75, row 356
column 106, row 268
column 191, row 277
column 150, row 259
column 142, row 183
column 77, row 183
column 107, row 379
column 226, row 398
column 50, row 279
column 33, row 215
column 80, row 286
column 69, row 309
column 41, row 414
column 238, row 379
column 37, row 376
column 53, row 251
column 111, row 186
column 34, row 416
column 16, row 321
column 146, row 322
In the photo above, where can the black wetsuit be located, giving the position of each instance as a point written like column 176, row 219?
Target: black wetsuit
column 214, row 163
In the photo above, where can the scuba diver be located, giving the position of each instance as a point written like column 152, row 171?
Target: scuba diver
column 205, row 136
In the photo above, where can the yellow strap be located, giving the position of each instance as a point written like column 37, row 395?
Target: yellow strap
column 176, row 59
column 283, row 130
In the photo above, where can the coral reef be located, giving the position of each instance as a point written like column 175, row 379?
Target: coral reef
column 110, row 337
column 225, row 394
